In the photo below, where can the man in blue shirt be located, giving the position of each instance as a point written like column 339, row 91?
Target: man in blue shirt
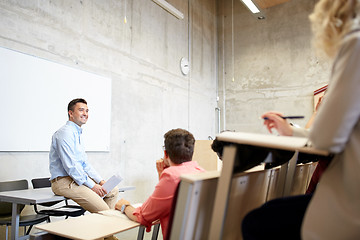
column 72, row 175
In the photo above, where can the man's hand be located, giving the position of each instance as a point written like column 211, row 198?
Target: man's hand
column 120, row 203
column 129, row 210
column 99, row 190
column 160, row 166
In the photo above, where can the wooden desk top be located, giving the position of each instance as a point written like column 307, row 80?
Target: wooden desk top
column 271, row 141
column 39, row 195
column 90, row 226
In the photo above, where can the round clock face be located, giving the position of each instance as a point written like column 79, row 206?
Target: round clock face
column 184, row 66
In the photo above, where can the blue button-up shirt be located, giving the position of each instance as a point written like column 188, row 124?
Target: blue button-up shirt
column 67, row 156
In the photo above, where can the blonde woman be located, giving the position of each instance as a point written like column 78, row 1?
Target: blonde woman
column 333, row 212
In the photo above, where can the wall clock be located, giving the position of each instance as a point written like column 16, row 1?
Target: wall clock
column 184, row 66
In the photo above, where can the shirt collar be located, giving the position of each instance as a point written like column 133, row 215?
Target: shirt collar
column 74, row 125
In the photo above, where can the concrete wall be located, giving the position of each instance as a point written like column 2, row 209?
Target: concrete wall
column 261, row 65
column 267, row 64
column 149, row 93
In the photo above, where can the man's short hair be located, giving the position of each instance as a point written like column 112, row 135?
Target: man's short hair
column 179, row 145
column 73, row 102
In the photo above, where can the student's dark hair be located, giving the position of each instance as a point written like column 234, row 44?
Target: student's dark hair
column 218, row 147
column 73, row 102
column 179, row 145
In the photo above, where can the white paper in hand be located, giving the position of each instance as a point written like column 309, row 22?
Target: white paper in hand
column 111, row 183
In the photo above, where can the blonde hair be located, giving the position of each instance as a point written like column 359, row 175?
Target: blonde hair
column 331, row 21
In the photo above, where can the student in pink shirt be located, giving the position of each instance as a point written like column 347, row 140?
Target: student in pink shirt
column 178, row 152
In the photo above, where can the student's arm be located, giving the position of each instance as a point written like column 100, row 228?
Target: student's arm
column 160, row 166
column 157, row 205
column 128, row 210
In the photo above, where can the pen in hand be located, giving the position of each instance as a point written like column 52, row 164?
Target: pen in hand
column 287, row 117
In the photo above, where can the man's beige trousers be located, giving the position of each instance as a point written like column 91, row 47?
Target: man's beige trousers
column 83, row 195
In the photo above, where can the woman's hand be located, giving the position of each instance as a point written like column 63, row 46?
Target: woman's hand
column 275, row 120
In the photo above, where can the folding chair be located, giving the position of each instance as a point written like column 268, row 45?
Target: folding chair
column 67, row 210
column 6, row 208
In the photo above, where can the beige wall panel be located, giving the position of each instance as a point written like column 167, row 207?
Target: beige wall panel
column 205, row 156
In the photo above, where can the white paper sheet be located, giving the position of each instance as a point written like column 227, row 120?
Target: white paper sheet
column 111, row 183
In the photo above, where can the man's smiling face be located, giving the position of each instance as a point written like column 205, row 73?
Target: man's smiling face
column 80, row 114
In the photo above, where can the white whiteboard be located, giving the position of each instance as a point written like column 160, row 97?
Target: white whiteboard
column 34, row 94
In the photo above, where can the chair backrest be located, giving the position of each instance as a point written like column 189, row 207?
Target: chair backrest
column 196, row 198
column 41, row 182
column 301, row 179
column 193, row 206
column 6, row 208
column 172, row 212
column 248, row 191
